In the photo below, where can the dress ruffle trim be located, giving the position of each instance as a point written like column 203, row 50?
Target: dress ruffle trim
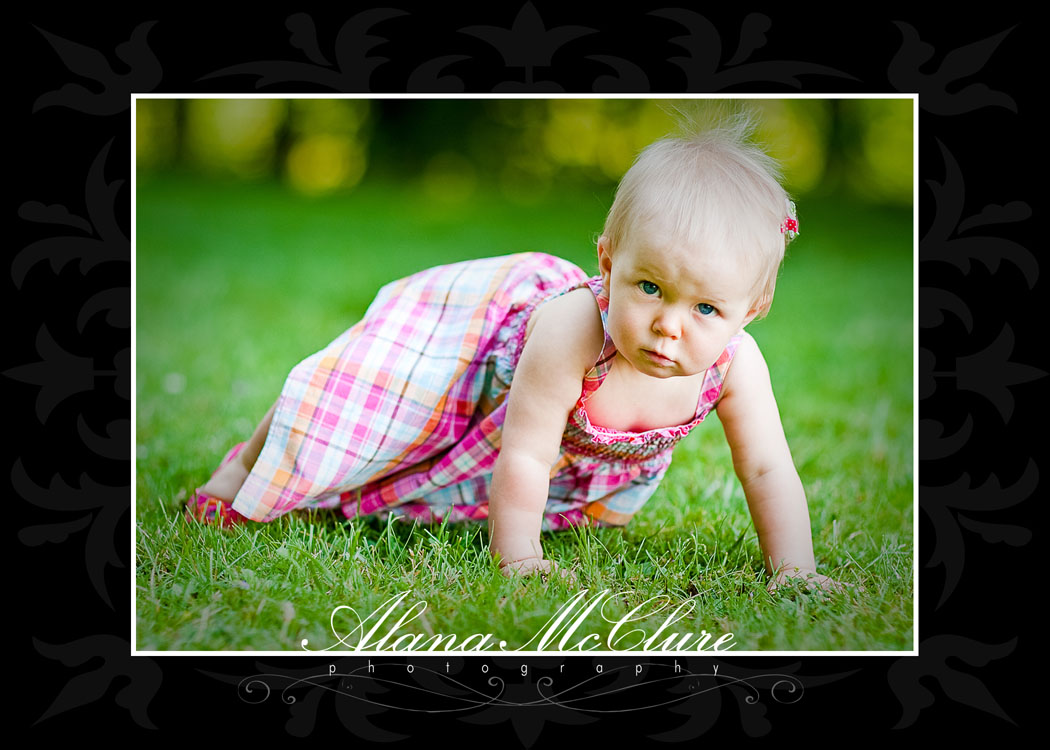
column 607, row 436
column 604, row 435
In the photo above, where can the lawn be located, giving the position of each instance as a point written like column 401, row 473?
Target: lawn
column 235, row 284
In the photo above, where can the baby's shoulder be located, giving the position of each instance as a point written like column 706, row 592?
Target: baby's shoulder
column 745, row 370
column 569, row 325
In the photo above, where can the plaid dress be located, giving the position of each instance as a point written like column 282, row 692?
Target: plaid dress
column 402, row 413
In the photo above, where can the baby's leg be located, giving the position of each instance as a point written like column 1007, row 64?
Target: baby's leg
column 225, row 482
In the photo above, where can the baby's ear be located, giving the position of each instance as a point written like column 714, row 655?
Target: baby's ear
column 759, row 309
column 604, row 257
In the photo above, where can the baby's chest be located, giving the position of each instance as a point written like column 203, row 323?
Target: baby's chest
column 639, row 404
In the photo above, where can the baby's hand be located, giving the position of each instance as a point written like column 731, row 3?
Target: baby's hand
column 535, row 566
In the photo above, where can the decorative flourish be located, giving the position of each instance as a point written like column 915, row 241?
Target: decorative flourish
column 115, row 302
column 740, row 694
column 704, row 68
column 527, row 705
column 629, row 77
column 936, row 302
column 310, row 703
column 905, row 674
column 115, row 444
column 106, row 505
column 44, row 214
column 972, row 373
column 257, row 689
column 304, row 37
column 527, row 44
column 523, row 708
column 144, row 75
column 53, row 533
column 61, row 375
column 106, row 241
column 427, row 77
column 118, row 665
column 1012, row 212
column 944, row 243
column 936, row 445
column 943, row 505
column 927, row 373
column 906, row 75
column 752, row 36
column 58, row 374
column 353, row 67
column 784, row 688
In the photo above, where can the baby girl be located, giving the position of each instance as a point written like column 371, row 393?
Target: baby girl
column 517, row 390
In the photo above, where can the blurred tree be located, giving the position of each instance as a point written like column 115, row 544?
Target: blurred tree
column 234, row 137
column 525, row 147
column 326, row 144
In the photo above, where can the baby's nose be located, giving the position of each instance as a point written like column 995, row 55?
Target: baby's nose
column 667, row 325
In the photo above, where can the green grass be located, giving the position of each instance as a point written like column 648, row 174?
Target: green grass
column 236, row 284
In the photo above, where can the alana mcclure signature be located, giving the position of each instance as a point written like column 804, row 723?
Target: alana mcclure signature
column 561, row 633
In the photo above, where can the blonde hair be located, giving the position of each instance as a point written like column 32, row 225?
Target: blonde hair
column 708, row 186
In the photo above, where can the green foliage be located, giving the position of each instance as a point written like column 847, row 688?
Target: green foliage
column 525, row 149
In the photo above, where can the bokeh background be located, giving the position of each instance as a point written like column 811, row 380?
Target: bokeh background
column 264, row 227
column 258, row 214
column 526, row 149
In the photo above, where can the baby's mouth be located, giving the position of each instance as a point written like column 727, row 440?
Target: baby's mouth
column 658, row 358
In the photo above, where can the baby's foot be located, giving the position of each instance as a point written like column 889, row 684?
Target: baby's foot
column 536, row 566
column 226, row 482
column 212, row 502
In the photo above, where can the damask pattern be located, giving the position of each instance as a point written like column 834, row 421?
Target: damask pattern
column 68, row 373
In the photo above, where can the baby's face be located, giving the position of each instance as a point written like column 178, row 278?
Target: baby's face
column 673, row 309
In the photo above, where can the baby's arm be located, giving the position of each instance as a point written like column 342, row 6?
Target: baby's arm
column 762, row 460
column 566, row 337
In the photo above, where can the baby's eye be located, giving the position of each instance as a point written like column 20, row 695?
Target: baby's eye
column 648, row 287
column 706, row 309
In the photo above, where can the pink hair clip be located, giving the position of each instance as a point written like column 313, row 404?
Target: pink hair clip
column 790, row 224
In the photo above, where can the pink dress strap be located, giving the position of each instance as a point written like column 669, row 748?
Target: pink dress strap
column 648, row 444
column 593, row 379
